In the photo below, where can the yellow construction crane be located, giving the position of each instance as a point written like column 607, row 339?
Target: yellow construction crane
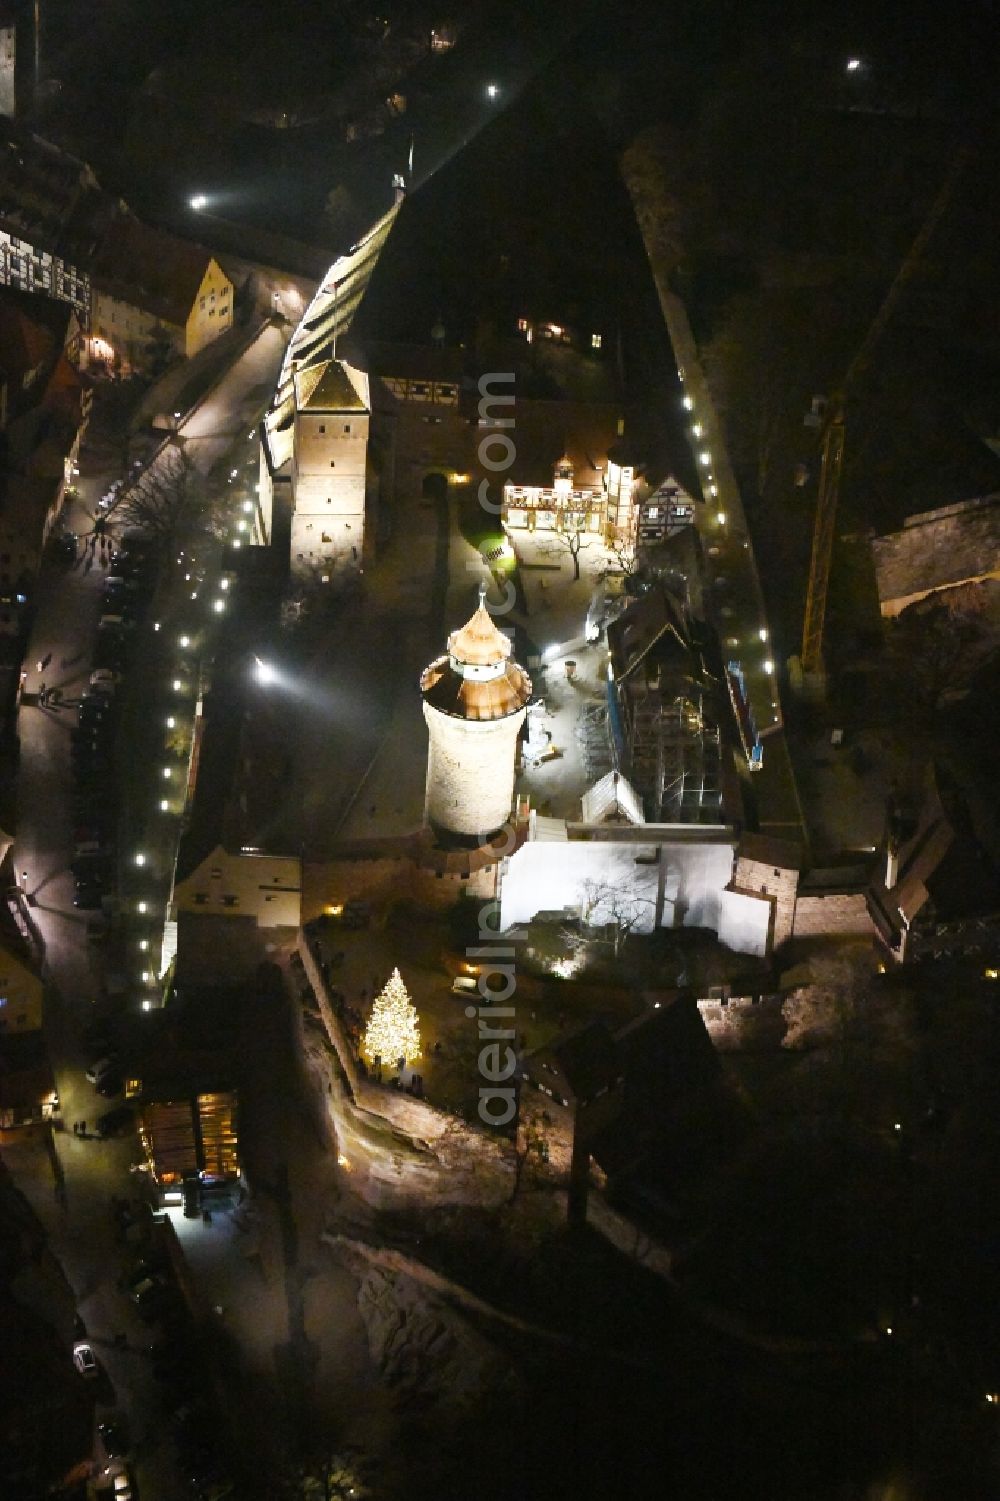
column 834, row 437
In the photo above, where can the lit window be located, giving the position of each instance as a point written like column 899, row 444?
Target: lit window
column 596, row 340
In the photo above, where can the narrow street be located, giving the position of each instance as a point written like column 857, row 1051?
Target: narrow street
column 84, row 1235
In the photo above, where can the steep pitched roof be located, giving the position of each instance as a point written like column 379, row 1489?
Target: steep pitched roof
column 612, row 797
column 150, row 268
column 646, row 622
column 587, row 1060
column 327, row 387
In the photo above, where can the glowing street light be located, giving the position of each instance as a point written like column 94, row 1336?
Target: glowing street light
column 185, row 642
column 164, row 805
column 168, row 772
column 140, row 858
column 705, row 457
column 265, row 672
column 178, row 686
column 697, row 429
column 140, row 907
column 721, row 518
column 762, row 633
column 853, row 65
column 492, row 90
column 768, row 665
column 170, row 721
column 198, row 201
column 218, row 606
column 687, row 403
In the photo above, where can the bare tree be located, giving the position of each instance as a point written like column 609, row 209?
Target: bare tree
column 169, row 502
column 938, row 645
column 573, row 541
column 605, row 904
column 624, row 551
column 844, row 1012
column 341, row 213
column 326, row 1477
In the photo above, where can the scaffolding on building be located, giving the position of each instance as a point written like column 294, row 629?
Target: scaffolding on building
column 676, row 759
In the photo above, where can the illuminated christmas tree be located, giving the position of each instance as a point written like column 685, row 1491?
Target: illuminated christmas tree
column 392, row 1030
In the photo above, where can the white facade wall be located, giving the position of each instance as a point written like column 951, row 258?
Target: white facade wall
column 120, row 330
column 685, row 886
column 328, row 483
column 267, row 888
column 31, row 269
column 470, row 772
column 8, row 60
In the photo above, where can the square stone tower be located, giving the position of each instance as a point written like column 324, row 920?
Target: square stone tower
column 329, row 459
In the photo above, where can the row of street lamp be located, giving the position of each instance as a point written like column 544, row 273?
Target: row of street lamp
column 705, row 460
column 180, row 685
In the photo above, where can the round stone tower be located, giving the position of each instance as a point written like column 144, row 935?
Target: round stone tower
column 474, row 704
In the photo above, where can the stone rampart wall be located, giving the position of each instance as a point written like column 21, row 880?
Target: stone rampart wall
column 838, row 914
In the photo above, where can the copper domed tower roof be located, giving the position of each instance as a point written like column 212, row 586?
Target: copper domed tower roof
column 479, row 643
column 478, row 678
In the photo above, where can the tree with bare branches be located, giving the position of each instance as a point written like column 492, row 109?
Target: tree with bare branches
column 572, row 539
column 170, row 503
column 606, row 904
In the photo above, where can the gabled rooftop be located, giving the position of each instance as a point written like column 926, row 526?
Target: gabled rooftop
column 150, row 268
column 330, row 386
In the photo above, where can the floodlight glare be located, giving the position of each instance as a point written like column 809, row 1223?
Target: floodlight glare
column 265, row 672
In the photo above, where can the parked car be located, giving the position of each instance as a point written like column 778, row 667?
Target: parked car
column 115, row 1122
column 149, row 1295
column 97, row 1035
column 122, row 1488
column 100, row 1066
column 85, row 1360
column 86, row 739
column 88, row 897
column 113, row 1439
column 87, row 847
column 97, row 703
column 88, row 829
column 110, row 653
